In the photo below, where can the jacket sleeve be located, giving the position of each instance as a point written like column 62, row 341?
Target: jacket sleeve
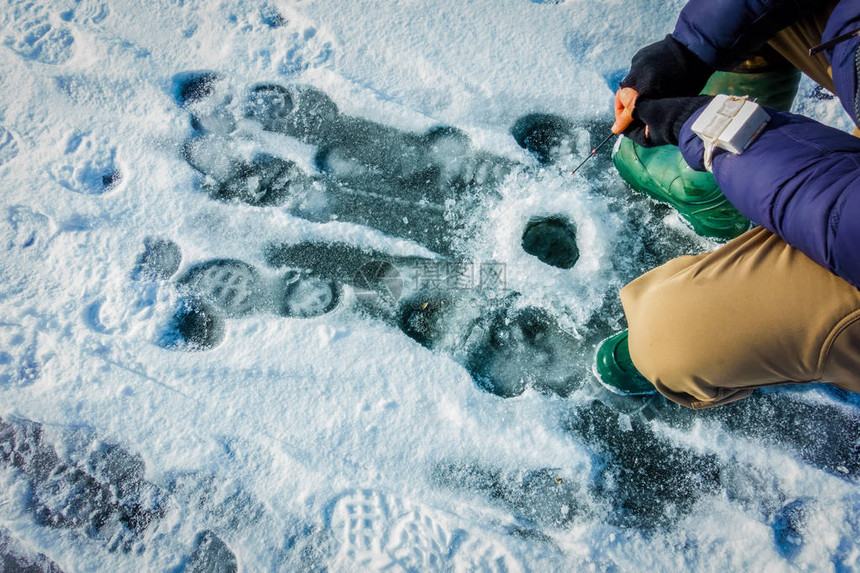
column 801, row 180
column 843, row 57
column 724, row 33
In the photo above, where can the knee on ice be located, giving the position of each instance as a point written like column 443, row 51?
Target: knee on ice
column 668, row 339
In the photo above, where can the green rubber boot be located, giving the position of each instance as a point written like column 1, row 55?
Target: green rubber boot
column 615, row 370
column 662, row 173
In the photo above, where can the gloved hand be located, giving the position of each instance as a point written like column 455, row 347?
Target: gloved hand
column 659, row 121
column 663, row 69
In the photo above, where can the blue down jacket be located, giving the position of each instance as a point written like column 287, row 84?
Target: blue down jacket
column 799, row 179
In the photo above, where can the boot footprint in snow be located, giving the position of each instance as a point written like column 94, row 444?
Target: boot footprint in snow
column 377, row 280
column 306, row 296
column 506, row 348
column 218, row 289
column 362, row 153
column 232, row 173
column 233, row 287
column 300, row 111
column 415, row 186
column 236, row 289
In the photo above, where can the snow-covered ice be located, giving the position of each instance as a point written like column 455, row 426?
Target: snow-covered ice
column 264, row 303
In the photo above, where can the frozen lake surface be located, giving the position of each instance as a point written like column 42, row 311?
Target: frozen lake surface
column 308, row 286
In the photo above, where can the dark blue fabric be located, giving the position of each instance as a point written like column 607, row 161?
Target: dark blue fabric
column 799, row 179
column 857, row 85
column 724, row 33
column 845, row 18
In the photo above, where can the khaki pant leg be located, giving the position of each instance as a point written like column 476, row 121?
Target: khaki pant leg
column 794, row 42
column 707, row 329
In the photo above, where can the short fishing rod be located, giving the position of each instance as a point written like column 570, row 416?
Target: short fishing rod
column 594, row 152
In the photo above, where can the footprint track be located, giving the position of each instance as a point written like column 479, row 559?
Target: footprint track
column 19, row 364
column 37, row 34
column 26, row 232
column 295, row 44
column 87, row 13
column 89, row 167
column 380, row 532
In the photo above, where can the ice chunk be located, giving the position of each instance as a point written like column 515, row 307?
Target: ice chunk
column 788, row 527
column 14, row 558
column 211, row 555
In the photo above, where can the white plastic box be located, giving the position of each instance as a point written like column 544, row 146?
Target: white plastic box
column 731, row 123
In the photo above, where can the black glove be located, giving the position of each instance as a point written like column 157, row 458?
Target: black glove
column 667, row 69
column 664, row 119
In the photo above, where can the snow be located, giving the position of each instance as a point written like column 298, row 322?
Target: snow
column 338, row 442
